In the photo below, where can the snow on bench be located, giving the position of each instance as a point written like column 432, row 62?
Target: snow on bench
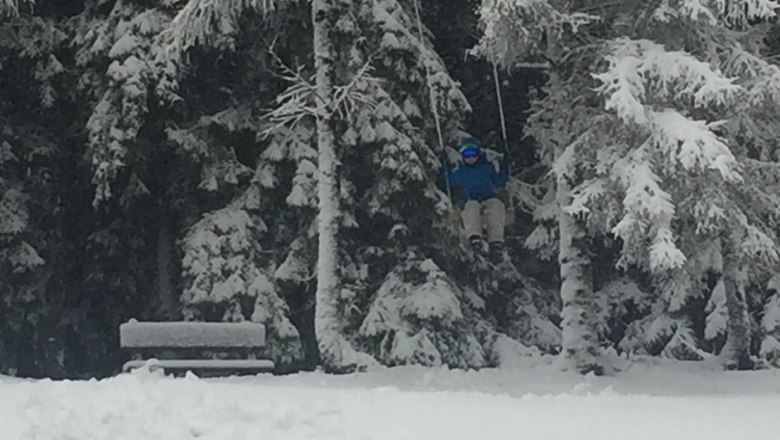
column 184, row 337
column 185, row 334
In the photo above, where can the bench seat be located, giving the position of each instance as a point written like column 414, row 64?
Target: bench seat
column 184, row 345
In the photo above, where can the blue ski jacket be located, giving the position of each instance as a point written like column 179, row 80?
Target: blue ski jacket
column 477, row 182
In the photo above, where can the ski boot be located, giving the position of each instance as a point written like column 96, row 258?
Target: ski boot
column 479, row 245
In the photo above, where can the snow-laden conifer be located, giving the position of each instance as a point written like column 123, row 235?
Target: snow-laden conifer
column 18, row 254
column 696, row 165
column 516, row 31
column 203, row 144
column 399, row 131
column 386, row 165
column 213, row 22
column 227, row 277
column 119, row 54
column 33, row 50
column 417, row 318
column 662, row 134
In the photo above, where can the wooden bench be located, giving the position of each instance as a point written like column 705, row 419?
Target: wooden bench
column 178, row 347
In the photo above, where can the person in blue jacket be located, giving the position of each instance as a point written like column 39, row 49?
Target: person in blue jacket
column 476, row 181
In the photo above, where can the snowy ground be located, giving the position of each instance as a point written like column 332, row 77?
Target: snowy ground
column 674, row 401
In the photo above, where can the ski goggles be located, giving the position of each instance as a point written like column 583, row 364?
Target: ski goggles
column 469, row 153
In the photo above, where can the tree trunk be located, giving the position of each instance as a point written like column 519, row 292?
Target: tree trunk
column 736, row 352
column 168, row 303
column 579, row 345
column 579, row 336
column 336, row 354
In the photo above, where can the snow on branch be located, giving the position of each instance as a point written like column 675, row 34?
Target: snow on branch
column 14, row 213
column 219, row 256
column 223, row 270
column 641, row 71
column 299, row 100
column 664, row 253
column 304, row 185
column 209, row 22
column 692, row 144
column 584, row 196
column 511, row 28
column 295, row 103
column 624, row 88
column 355, row 94
column 118, row 116
column 689, row 9
column 759, row 77
column 220, row 166
column 390, row 17
column 713, row 11
column 643, row 194
column 740, row 11
column 753, row 241
column 565, row 165
column 648, row 210
column 416, row 318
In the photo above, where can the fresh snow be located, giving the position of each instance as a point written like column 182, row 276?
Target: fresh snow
column 191, row 334
column 674, row 401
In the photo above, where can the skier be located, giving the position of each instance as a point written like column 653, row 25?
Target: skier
column 477, row 182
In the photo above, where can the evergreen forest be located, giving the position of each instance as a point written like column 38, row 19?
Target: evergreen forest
column 278, row 161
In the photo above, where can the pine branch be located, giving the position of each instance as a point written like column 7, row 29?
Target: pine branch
column 347, row 98
column 296, row 102
column 203, row 22
column 299, row 100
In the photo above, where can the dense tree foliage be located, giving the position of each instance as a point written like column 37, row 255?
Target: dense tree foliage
column 277, row 161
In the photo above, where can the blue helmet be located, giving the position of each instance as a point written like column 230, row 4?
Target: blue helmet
column 469, row 147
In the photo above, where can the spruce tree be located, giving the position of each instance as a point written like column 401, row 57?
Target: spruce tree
column 541, row 27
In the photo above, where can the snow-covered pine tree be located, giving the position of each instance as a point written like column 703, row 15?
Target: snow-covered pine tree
column 195, row 25
column 681, row 167
column 222, row 134
column 271, row 244
column 746, row 229
column 752, row 136
column 118, row 54
column 417, row 318
column 386, row 189
column 124, row 82
column 625, row 170
column 227, row 277
column 139, row 194
column 21, row 281
column 632, row 168
column 667, row 325
column 540, row 27
column 402, row 204
column 33, row 319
